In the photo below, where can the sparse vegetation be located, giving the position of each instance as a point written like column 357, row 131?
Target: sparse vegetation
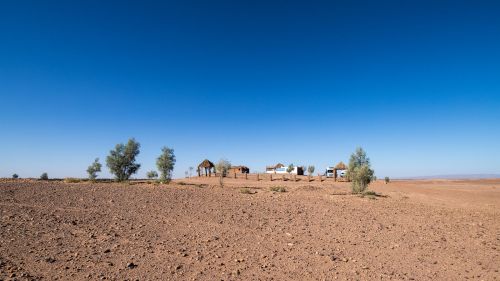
column 246, row 190
column 152, row 175
column 222, row 167
column 387, row 180
column 360, row 172
column 191, row 171
column 277, row 189
column 121, row 160
column 71, row 180
column 93, row 169
column 15, row 176
column 310, row 171
column 289, row 170
column 44, row 176
column 165, row 164
column 371, row 194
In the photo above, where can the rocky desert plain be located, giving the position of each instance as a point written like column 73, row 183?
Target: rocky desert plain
column 192, row 229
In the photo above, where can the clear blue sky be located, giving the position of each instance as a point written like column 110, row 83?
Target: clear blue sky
column 415, row 83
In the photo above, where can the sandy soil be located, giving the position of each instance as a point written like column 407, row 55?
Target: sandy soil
column 194, row 230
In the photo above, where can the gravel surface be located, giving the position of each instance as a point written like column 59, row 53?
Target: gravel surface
column 195, row 230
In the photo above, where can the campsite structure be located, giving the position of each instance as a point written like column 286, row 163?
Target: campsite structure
column 282, row 169
column 239, row 170
column 340, row 172
column 206, row 166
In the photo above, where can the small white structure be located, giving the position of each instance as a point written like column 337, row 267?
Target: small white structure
column 281, row 169
column 330, row 172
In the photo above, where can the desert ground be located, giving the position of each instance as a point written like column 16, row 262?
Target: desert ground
column 192, row 229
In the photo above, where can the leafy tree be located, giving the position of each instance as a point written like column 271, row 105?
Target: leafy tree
column 152, row 175
column 44, row 176
column 310, row 169
column 289, row 169
column 222, row 167
column 15, row 176
column 165, row 163
column 387, row 180
column 360, row 172
column 93, row 169
column 121, row 160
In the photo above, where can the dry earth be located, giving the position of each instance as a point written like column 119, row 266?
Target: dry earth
column 194, row 230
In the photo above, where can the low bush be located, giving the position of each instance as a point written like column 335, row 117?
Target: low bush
column 71, row 180
column 15, row 176
column 246, row 190
column 44, row 176
column 277, row 189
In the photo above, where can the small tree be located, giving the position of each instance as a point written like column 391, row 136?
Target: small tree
column 121, row 160
column 359, row 172
column 93, row 169
column 165, row 164
column 310, row 171
column 191, row 171
column 222, row 167
column 186, row 173
column 152, row 175
column 387, row 180
column 15, row 176
column 44, row 176
column 289, row 170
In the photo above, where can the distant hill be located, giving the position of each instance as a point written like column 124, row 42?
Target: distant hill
column 453, row 177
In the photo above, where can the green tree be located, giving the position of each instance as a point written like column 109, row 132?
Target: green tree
column 93, row 169
column 121, row 160
column 44, row 176
column 222, row 167
column 15, row 176
column 165, row 164
column 387, row 180
column 152, row 175
column 360, row 172
column 310, row 170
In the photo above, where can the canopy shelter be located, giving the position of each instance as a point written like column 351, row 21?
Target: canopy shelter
column 339, row 167
column 207, row 166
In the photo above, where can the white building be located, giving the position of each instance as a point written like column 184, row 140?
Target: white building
column 281, row 169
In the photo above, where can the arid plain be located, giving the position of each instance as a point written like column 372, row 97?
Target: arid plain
column 192, row 229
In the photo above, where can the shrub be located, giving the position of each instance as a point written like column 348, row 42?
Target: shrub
column 222, row 167
column 277, row 189
column 359, row 172
column 15, row 176
column 387, row 180
column 71, row 180
column 152, row 175
column 44, row 176
column 93, row 169
column 165, row 164
column 246, row 190
column 121, row 160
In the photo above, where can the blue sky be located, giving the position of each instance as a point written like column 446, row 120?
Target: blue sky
column 415, row 83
